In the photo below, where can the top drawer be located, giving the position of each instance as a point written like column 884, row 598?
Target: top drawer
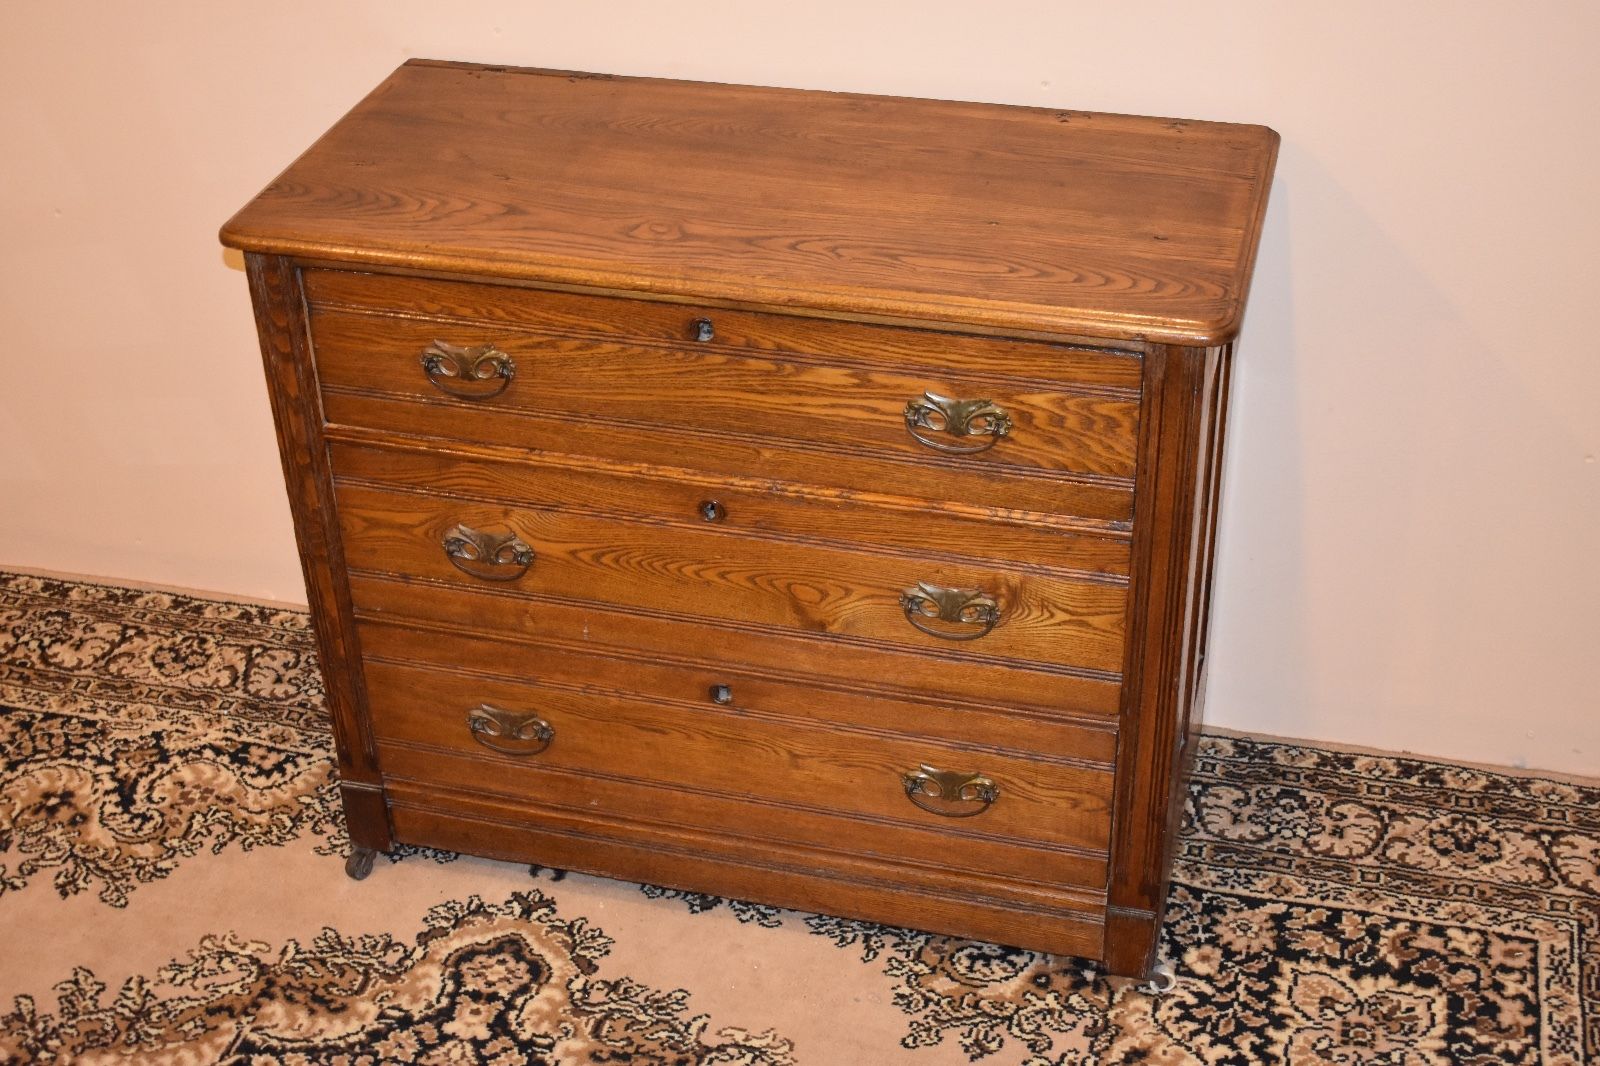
column 794, row 383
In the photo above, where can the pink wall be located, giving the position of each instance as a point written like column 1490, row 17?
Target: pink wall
column 1409, row 549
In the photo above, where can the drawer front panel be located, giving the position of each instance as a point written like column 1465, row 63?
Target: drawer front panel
column 735, row 690
column 953, row 674
column 676, row 496
column 696, row 574
column 938, row 479
column 791, row 405
column 661, row 322
column 738, row 756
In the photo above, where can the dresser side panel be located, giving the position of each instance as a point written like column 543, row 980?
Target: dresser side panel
column 1219, row 379
column 291, row 384
column 1190, row 700
column 1168, row 550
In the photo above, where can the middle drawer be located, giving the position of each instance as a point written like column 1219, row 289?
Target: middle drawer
column 695, row 573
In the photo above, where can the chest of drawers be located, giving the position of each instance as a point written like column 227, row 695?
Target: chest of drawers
column 794, row 496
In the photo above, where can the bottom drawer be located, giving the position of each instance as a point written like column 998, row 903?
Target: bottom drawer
column 744, row 774
column 1062, row 923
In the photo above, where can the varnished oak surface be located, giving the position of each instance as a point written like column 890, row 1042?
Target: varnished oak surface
column 787, row 876
column 674, row 495
column 827, row 702
column 955, row 673
column 964, row 214
column 1086, row 272
column 1106, row 503
column 701, row 747
column 1028, row 872
column 707, row 573
column 793, row 338
column 794, row 405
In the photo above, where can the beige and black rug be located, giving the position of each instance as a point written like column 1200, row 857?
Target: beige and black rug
column 172, row 890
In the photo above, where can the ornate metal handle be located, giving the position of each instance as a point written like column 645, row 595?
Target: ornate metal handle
column 958, row 419
column 949, row 792
column 468, row 373
column 485, row 555
column 956, row 607
column 513, row 732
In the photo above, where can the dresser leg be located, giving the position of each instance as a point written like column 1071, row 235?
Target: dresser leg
column 359, row 864
column 1163, row 979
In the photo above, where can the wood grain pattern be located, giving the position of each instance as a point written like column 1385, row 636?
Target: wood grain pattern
column 952, row 673
column 971, row 726
column 1087, row 224
column 735, row 699
column 790, row 405
column 808, row 880
column 672, row 494
column 934, row 479
column 787, row 337
column 709, row 750
column 292, row 386
column 962, row 860
column 709, row 573
column 1156, row 700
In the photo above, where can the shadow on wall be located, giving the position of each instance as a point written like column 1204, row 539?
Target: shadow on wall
column 1382, row 542
column 1260, row 603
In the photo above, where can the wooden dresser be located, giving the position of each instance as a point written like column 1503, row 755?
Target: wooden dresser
column 795, row 496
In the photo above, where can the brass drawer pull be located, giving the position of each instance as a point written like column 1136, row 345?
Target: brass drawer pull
column 468, row 373
column 952, row 607
column 933, row 416
column 949, row 792
column 485, row 555
column 513, row 732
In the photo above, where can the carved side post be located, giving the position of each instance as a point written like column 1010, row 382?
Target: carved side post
column 1181, row 420
column 291, row 382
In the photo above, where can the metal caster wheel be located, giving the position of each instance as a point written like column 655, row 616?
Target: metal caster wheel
column 359, row 864
column 1163, row 979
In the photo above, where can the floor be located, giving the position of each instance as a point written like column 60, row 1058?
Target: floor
column 172, row 890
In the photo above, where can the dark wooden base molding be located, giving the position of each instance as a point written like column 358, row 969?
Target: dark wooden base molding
column 366, row 812
column 760, row 874
column 1132, row 937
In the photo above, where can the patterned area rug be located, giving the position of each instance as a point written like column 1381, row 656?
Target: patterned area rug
column 171, row 890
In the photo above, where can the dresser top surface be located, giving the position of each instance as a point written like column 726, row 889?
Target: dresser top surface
column 984, row 215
